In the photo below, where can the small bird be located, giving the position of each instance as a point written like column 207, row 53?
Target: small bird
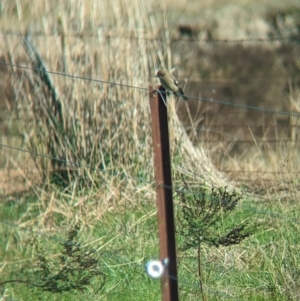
column 170, row 83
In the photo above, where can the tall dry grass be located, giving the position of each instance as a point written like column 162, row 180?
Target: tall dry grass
column 102, row 125
column 107, row 126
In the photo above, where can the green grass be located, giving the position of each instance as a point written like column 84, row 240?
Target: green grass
column 263, row 267
column 123, row 240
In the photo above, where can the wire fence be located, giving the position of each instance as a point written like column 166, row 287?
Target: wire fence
column 131, row 36
column 116, row 255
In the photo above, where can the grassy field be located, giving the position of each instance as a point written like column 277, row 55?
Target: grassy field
column 263, row 267
column 105, row 126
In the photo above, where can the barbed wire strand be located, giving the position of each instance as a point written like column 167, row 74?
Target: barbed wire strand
column 210, row 100
column 131, row 36
column 34, row 171
column 112, row 173
column 73, row 76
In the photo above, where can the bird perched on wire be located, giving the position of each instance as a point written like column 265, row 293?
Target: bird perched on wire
column 170, row 83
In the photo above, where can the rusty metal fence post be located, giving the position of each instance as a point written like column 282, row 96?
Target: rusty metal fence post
column 164, row 194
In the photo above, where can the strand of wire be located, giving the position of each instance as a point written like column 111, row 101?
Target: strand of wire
column 73, row 76
column 228, row 171
column 210, row 100
column 77, row 164
column 186, row 38
column 115, row 173
column 205, row 140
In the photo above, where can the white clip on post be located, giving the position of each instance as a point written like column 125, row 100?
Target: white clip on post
column 156, row 268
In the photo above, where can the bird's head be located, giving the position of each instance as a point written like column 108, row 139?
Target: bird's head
column 160, row 73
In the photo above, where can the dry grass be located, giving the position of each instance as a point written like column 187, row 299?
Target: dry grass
column 103, row 126
column 107, row 127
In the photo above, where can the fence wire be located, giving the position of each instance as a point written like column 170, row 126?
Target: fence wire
column 209, row 100
column 129, row 36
